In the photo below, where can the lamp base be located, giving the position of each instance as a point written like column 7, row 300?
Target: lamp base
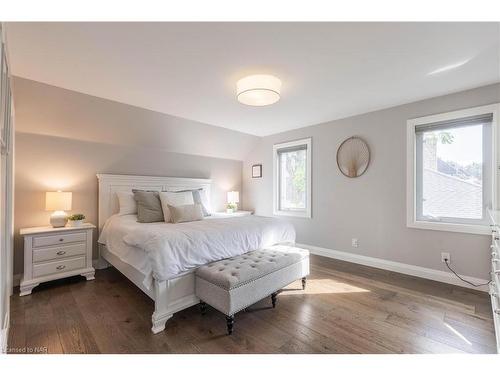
column 58, row 219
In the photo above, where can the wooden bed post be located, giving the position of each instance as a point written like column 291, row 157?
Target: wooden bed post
column 161, row 314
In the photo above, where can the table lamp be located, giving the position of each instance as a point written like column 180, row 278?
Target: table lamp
column 58, row 201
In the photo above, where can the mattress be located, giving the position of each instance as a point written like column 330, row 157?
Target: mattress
column 164, row 250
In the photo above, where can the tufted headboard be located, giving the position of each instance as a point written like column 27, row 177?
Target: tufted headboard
column 109, row 184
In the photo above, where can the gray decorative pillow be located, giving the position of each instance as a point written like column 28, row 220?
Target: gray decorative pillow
column 187, row 212
column 197, row 199
column 148, row 206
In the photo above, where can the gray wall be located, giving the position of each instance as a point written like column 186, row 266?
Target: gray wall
column 49, row 110
column 371, row 208
column 64, row 138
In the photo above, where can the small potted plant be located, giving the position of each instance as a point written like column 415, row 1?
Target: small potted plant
column 231, row 207
column 76, row 220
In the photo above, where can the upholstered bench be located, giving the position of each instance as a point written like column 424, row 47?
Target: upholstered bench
column 232, row 284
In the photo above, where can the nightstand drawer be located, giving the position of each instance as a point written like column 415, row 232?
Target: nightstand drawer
column 59, row 252
column 64, row 265
column 58, row 239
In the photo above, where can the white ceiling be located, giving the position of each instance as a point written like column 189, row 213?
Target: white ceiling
column 329, row 70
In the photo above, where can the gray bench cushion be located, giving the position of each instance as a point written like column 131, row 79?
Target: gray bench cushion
column 233, row 272
column 233, row 284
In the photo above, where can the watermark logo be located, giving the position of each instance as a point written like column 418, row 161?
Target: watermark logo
column 28, row 350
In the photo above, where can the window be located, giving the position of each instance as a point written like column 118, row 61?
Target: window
column 451, row 174
column 292, row 178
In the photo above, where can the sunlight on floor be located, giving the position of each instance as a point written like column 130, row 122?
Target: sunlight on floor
column 321, row 286
column 457, row 333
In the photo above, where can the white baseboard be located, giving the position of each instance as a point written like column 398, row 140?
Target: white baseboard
column 407, row 269
column 4, row 334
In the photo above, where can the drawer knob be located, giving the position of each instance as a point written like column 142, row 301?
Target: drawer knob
column 61, row 239
column 62, row 252
column 61, row 267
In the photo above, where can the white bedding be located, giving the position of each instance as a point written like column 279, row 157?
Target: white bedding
column 165, row 250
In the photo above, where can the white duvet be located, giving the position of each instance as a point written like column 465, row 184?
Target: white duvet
column 171, row 249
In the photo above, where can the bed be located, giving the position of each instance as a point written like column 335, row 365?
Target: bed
column 160, row 258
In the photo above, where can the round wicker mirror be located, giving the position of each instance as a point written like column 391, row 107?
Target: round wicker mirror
column 353, row 157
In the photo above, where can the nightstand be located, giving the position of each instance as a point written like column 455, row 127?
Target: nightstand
column 232, row 214
column 54, row 253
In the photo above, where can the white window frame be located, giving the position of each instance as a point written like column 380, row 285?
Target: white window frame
column 411, row 188
column 276, row 175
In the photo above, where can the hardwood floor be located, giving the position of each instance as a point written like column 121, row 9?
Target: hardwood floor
column 346, row 308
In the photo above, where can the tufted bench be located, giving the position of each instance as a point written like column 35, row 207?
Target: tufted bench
column 232, row 284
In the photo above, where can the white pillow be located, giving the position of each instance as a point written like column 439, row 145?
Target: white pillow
column 205, row 200
column 127, row 203
column 180, row 198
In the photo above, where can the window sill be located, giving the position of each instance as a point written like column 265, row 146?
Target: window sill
column 449, row 227
column 303, row 214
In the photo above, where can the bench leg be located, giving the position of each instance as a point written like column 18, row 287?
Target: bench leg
column 304, row 283
column 273, row 299
column 230, row 323
column 203, row 308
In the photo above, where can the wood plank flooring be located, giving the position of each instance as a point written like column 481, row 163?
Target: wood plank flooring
column 346, row 308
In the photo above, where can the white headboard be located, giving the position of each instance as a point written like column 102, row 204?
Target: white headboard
column 109, row 184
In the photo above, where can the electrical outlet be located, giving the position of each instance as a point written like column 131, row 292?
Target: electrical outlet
column 445, row 257
column 354, row 242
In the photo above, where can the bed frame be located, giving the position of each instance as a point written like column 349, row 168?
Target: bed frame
column 171, row 295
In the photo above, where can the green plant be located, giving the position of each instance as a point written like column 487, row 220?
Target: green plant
column 232, row 206
column 76, row 217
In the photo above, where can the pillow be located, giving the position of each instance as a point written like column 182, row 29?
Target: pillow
column 148, row 206
column 126, row 203
column 170, row 198
column 200, row 197
column 185, row 213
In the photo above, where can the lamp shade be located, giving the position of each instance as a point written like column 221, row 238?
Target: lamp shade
column 258, row 90
column 233, row 197
column 58, row 200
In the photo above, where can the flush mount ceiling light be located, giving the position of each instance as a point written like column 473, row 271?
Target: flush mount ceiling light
column 258, row 90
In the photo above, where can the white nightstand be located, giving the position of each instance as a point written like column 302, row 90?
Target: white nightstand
column 53, row 253
column 233, row 214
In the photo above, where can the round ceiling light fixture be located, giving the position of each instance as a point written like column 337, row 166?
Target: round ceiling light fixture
column 258, row 90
